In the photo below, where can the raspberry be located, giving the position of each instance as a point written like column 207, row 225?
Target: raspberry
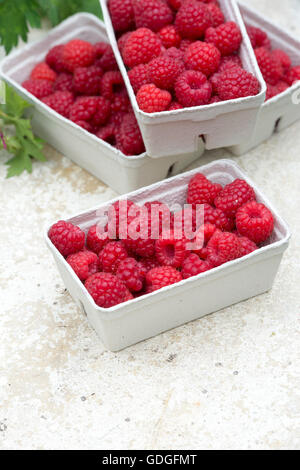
column 258, row 37
column 215, row 99
column 175, row 4
column 66, row 237
column 131, row 139
column 77, row 53
column 193, row 265
column 54, row 59
column 163, row 72
column 151, row 99
column 283, row 58
column 160, row 277
column 185, row 43
column 111, row 256
column 171, row 251
column 236, row 83
column 233, row 196
column 100, row 48
column 202, row 57
column 269, row 65
column 142, row 245
column 202, row 237
column 120, row 215
column 120, row 102
column 141, row 46
column 223, row 247
column 38, row 88
column 111, row 83
column 230, row 61
column 121, row 13
column 94, row 109
column 192, row 89
column 60, row 101
column 107, row 290
column 247, row 246
column 174, row 106
column 152, row 14
column 216, row 15
column 293, row 75
column 138, row 76
column 217, row 217
column 255, row 221
column 226, row 37
column 201, row 190
column 169, row 36
column 85, row 125
column 87, row 80
column 146, row 264
column 84, row 263
column 94, row 241
column 109, row 134
column 130, row 272
column 128, row 296
column 122, row 41
column 42, row 71
column 64, row 82
column 281, row 86
column 107, row 61
column 174, row 53
column 192, row 19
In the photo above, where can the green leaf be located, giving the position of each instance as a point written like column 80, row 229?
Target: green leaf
column 15, row 105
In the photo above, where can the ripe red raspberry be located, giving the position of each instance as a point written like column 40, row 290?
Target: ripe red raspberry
column 202, row 238
column 216, row 14
column 283, row 58
column 107, row 290
column 131, row 273
column 269, row 65
column 236, row 83
column 192, row 19
column 151, row 99
column 139, row 240
column 202, row 57
column 175, row 4
column 152, row 14
column 218, row 218
column 107, row 61
column 185, row 43
column 255, row 221
column 64, row 82
column 227, row 37
column 93, row 109
column 130, row 136
column 111, row 83
column 77, row 53
column 174, row 53
column 281, row 86
column 39, row 88
column 233, row 196
column 85, row 125
column 122, row 41
column 94, row 239
column 193, row 265
column 120, row 102
column 87, row 80
column 161, row 277
column 141, row 46
column 192, row 89
column 214, row 99
column 169, row 36
column 138, row 76
column 100, row 48
column 42, row 71
column 60, row 101
column 230, row 61
column 163, row 72
column 54, row 59
column 258, row 37
column 122, row 15
column 66, row 237
column 223, row 247
column 146, row 264
column 171, row 250
column 201, row 190
column 85, row 263
column 111, row 256
column 174, row 106
column 109, row 134
column 247, row 246
column 293, row 75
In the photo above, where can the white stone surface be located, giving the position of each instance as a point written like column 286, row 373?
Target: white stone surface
column 228, row 381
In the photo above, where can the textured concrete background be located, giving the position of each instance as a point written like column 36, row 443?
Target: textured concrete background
column 230, row 380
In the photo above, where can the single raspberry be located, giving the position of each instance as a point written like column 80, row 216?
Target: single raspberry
column 77, row 53
column 215, row 99
column 107, row 61
column 120, row 102
column 128, row 296
column 100, row 48
column 39, row 88
column 151, row 99
column 64, row 82
column 175, row 4
column 283, row 58
column 174, row 106
column 130, row 272
column 146, row 264
column 152, row 14
column 112, row 82
column 138, row 76
column 84, row 263
column 96, row 239
column 161, row 277
column 171, row 250
column 85, row 125
column 66, row 237
column 122, row 41
column 94, row 109
column 223, row 247
column 255, row 221
column 202, row 57
column 202, row 238
column 185, row 43
column 227, row 37
column 233, row 196
column 192, row 19
column 139, row 240
column 122, row 14
column 141, row 46
column 131, row 139
column 269, row 65
column 201, row 190
column 174, row 53
column 247, row 246
column 112, row 255
column 54, row 59
column 293, row 75
column 218, row 218
column 87, row 80
column 192, row 89
column 109, row 134
column 236, row 83
column 42, row 71
column 106, row 290
column 216, row 14
column 230, row 61
column 60, row 101
column 258, row 37
column 102, row 113
column 193, row 265
column 169, row 36
column 163, row 72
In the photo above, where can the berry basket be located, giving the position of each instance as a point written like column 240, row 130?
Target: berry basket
column 120, row 172
column 169, row 307
column 284, row 109
column 218, row 125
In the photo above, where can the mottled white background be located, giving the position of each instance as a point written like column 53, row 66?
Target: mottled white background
column 230, row 380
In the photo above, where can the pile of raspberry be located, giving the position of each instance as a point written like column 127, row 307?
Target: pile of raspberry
column 82, row 82
column 275, row 64
column 119, row 266
column 180, row 53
